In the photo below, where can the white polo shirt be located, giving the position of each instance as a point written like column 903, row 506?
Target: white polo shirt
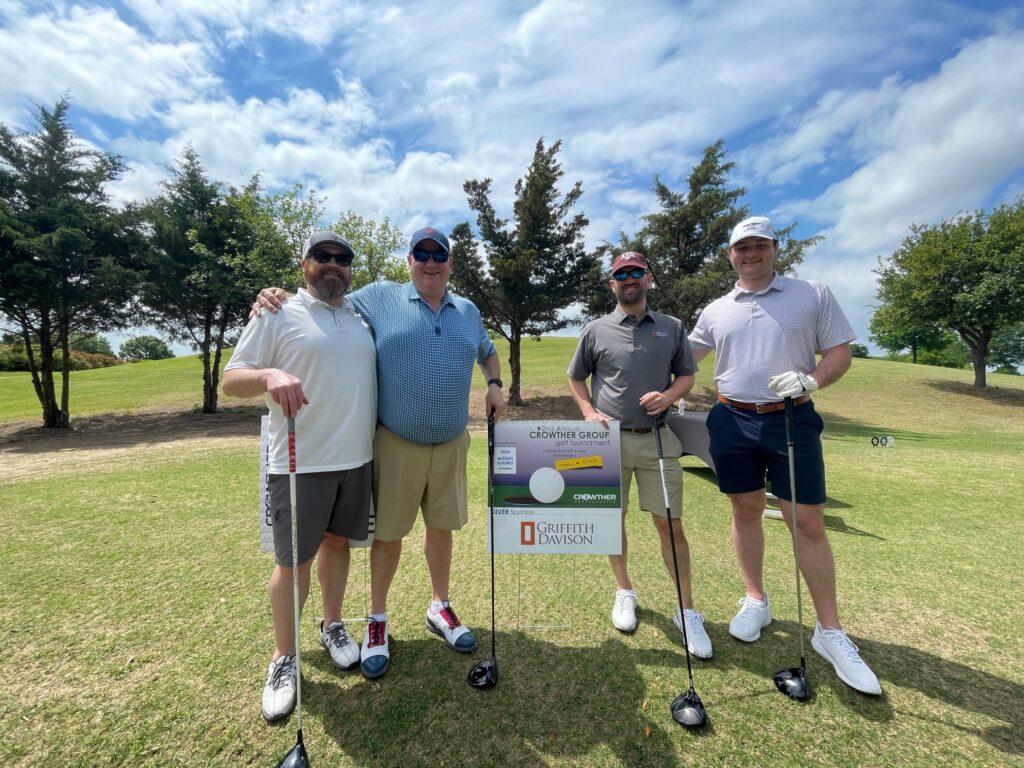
column 757, row 336
column 332, row 353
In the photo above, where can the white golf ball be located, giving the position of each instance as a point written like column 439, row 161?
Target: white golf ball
column 546, row 485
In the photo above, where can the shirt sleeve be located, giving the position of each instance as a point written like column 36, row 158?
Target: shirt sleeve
column 582, row 363
column 255, row 347
column 682, row 362
column 833, row 328
column 700, row 337
column 485, row 347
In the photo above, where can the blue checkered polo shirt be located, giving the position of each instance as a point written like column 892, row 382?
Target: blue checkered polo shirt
column 424, row 359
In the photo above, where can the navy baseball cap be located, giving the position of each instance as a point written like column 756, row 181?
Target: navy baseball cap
column 429, row 233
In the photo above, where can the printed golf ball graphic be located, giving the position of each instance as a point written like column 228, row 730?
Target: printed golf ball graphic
column 546, row 485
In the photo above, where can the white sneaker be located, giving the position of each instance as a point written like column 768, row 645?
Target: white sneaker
column 279, row 690
column 836, row 648
column 624, row 610
column 754, row 615
column 344, row 652
column 698, row 642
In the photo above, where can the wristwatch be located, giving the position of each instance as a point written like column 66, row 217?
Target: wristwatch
column 495, row 381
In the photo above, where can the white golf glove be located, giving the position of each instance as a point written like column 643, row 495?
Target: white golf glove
column 792, row 384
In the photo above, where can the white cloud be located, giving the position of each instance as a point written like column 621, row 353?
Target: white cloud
column 108, row 66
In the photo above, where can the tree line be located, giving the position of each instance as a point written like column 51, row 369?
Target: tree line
column 190, row 259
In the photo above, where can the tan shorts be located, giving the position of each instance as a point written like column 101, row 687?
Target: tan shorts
column 408, row 477
column 640, row 457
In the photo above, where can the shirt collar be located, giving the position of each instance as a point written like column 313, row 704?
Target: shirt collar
column 413, row 295
column 309, row 300
column 620, row 316
column 777, row 284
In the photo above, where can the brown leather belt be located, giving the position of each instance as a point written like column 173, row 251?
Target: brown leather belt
column 637, row 430
column 762, row 407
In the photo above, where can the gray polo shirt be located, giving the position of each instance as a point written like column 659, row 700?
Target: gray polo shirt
column 629, row 357
column 757, row 336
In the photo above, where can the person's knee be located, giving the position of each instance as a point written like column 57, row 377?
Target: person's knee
column 334, row 541
column 811, row 523
column 746, row 507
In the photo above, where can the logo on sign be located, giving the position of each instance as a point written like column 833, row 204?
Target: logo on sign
column 527, row 533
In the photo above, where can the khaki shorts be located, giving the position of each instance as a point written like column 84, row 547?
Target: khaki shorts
column 640, row 457
column 408, row 477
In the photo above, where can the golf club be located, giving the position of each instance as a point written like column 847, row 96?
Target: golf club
column 687, row 708
column 296, row 757
column 485, row 674
column 793, row 681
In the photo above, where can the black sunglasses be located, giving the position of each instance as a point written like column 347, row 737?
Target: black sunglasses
column 320, row 256
column 423, row 255
column 636, row 273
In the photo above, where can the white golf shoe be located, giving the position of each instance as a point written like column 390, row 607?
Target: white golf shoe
column 698, row 641
column 753, row 616
column 624, row 610
column 279, row 690
column 343, row 650
column 835, row 647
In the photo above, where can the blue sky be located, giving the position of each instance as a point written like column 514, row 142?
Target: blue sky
column 853, row 119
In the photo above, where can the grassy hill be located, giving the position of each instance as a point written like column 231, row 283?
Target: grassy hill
column 136, row 630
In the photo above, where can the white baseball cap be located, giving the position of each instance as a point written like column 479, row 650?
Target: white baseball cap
column 755, row 226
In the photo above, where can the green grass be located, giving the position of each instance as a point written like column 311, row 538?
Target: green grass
column 136, row 631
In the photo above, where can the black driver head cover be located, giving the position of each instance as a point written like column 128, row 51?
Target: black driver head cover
column 688, row 710
column 484, row 674
column 793, row 682
column 297, row 758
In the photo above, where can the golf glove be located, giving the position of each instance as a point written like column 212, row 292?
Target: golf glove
column 792, row 384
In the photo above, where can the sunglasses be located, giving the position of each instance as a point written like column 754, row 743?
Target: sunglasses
column 422, row 255
column 321, row 256
column 636, row 273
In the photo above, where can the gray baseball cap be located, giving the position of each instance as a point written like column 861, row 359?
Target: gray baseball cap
column 327, row 237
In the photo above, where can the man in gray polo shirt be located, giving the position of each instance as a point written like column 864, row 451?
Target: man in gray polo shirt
column 765, row 334
column 639, row 363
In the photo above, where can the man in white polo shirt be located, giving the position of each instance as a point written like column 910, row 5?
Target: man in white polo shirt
column 315, row 360
column 765, row 334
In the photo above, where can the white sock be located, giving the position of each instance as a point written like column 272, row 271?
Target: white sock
column 436, row 606
column 379, row 616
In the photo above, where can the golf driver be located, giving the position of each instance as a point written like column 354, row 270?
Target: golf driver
column 687, row 708
column 296, row 757
column 793, row 681
column 485, row 674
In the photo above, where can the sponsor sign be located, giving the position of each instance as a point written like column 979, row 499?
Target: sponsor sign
column 556, row 488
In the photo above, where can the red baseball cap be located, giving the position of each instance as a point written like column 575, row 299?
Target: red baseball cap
column 629, row 259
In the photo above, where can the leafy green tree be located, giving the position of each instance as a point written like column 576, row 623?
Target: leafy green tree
column 965, row 274
column 376, row 246
column 93, row 343
column 297, row 213
column 686, row 242
column 535, row 269
column 1006, row 352
column 859, row 350
column 145, row 347
column 894, row 329
column 212, row 249
column 67, row 256
column 950, row 352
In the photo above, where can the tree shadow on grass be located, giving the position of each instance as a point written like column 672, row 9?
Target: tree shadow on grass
column 951, row 683
column 996, row 395
column 551, row 701
column 124, row 430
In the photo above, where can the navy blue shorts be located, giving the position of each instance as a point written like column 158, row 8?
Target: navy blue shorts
column 749, row 446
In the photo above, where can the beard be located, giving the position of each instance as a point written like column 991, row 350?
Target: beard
column 328, row 285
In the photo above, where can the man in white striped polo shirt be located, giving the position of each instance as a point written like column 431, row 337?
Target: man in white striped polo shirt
column 765, row 334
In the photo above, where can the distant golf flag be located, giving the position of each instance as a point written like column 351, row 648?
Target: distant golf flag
column 266, row 516
column 557, row 488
